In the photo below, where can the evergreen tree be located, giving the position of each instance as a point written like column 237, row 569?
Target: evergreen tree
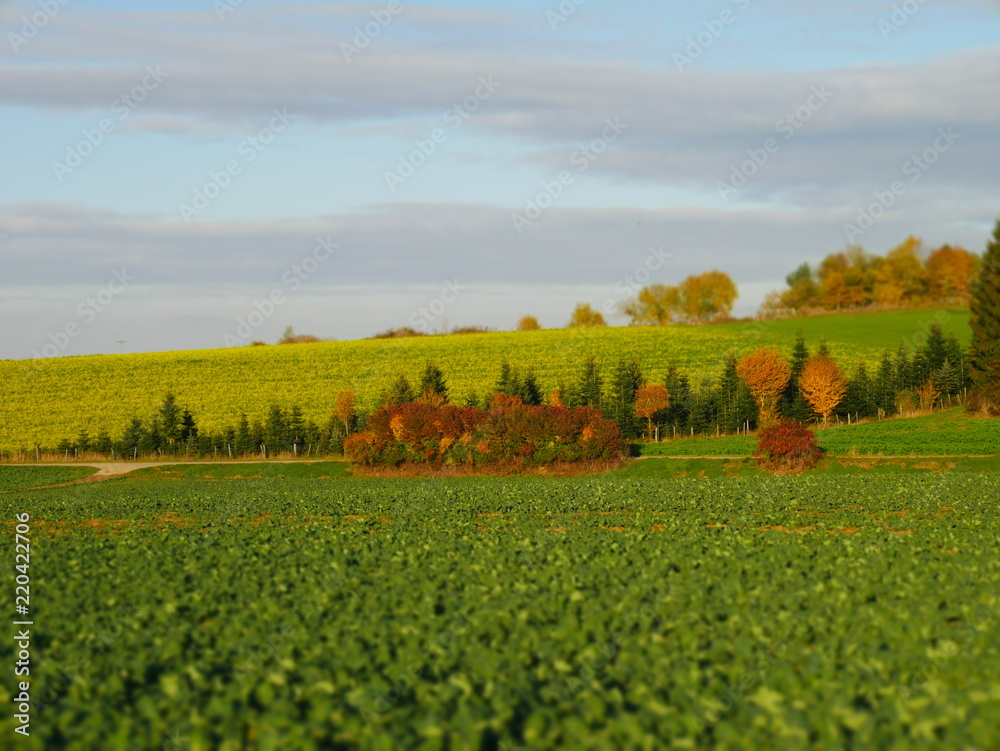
column 947, row 379
column 984, row 305
column 243, row 442
column 133, row 436
column 793, row 404
column 472, row 399
column 103, row 443
column 509, row 382
column 188, row 427
column 885, row 385
column 170, row 419
column 82, row 442
column 276, row 430
column 861, row 397
column 620, row 405
column 296, row 427
column 735, row 404
column 678, row 414
column 531, row 392
column 401, row 392
column 432, row 380
column 587, row 392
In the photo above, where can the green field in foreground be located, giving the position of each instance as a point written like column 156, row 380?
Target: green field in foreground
column 951, row 432
column 46, row 400
column 13, row 477
column 594, row 613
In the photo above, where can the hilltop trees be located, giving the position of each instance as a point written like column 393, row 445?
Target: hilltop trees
column 984, row 305
column 854, row 278
column 528, row 323
column 585, row 316
column 698, row 299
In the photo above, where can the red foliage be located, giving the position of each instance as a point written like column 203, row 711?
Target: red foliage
column 787, row 444
column 514, row 435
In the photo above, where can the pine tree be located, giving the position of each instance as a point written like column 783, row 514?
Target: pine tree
column 296, row 427
column 401, row 392
column 170, row 419
column 735, row 402
column 509, row 382
column 275, row 430
column 531, row 392
column 678, row 386
column 587, row 392
column 432, row 380
column 188, row 427
column 984, row 305
column 243, row 443
column 620, row 405
column 793, row 403
column 885, row 385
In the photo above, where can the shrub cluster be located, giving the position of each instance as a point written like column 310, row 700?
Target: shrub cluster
column 509, row 435
column 787, row 445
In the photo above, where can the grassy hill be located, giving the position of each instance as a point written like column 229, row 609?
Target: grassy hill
column 50, row 399
column 951, row 432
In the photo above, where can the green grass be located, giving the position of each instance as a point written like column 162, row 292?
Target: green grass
column 14, row 477
column 51, row 399
column 948, row 433
column 718, row 468
column 589, row 613
column 255, row 470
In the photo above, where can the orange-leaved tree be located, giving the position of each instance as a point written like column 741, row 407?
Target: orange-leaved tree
column 345, row 410
column 650, row 399
column 766, row 373
column 823, row 385
column 528, row 323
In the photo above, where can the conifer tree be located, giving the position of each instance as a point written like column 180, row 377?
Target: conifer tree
column 984, row 305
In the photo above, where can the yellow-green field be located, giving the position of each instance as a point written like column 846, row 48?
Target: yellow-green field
column 47, row 400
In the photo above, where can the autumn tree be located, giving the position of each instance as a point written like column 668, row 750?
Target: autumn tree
column 655, row 305
column 766, row 373
column 823, row 385
column 708, row 296
column 650, row 399
column 951, row 272
column 705, row 297
column 984, row 305
column 528, row 323
column 584, row 316
column 345, row 410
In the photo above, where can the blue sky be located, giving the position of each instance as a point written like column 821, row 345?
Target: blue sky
column 496, row 108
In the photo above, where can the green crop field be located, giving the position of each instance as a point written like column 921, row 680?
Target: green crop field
column 48, row 400
column 14, row 477
column 596, row 613
column 947, row 433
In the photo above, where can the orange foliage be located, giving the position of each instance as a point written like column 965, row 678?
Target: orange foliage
column 345, row 409
column 766, row 373
column 650, row 399
column 504, row 401
column 823, row 385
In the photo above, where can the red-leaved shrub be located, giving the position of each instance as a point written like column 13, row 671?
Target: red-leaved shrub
column 787, row 445
column 513, row 435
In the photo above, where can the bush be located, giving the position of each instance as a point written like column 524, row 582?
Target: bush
column 787, row 445
column 510, row 436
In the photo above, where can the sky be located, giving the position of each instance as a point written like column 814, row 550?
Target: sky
column 200, row 174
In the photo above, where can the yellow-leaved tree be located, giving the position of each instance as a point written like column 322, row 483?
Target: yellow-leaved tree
column 766, row 373
column 823, row 385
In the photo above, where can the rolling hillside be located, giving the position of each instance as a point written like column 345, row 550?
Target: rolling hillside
column 50, row 399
